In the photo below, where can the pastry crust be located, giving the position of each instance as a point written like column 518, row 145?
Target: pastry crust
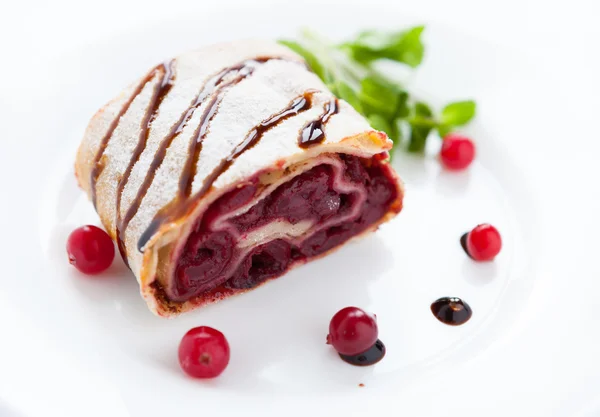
column 278, row 77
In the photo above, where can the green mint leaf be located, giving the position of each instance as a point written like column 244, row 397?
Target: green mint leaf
column 422, row 117
column 444, row 129
column 379, row 122
column 418, row 138
column 347, row 71
column 408, row 48
column 458, row 113
column 402, row 108
column 379, row 96
column 313, row 62
column 422, row 109
column 345, row 92
column 421, row 124
column 397, row 134
column 419, row 121
column 404, row 46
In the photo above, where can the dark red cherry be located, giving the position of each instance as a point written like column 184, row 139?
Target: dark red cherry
column 457, row 152
column 203, row 352
column 352, row 331
column 484, row 242
column 90, row 249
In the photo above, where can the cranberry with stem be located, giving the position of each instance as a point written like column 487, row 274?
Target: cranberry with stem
column 90, row 249
column 203, row 352
column 352, row 331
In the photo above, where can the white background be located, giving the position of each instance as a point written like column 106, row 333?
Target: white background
column 550, row 363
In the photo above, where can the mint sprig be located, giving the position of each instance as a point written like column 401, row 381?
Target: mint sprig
column 349, row 71
column 404, row 46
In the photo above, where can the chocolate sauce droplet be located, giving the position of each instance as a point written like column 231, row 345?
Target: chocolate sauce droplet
column 463, row 243
column 451, row 310
column 370, row 357
column 314, row 131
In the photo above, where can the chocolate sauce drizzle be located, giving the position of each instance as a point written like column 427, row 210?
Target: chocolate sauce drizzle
column 296, row 106
column 215, row 88
column 451, row 310
column 98, row 165
column 160, row 91
column 177, row 207
column 215, row 85
column 314, row 132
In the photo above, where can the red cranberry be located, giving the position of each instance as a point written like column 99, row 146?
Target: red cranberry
column 457, row 152
column 90, row 249
column 484, row 242
column 352, row 331
column 203, row 352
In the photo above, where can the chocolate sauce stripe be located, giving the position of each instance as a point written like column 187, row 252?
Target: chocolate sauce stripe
column 160, row 92
column 159, row 156
column 314, row 131
column 295, row 107
column 177, row 209
column 195, row 149
column 97, row 166
column 213, row 87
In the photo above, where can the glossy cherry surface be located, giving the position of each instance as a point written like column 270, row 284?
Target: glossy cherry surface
column 457, row 152
column 352, row 331
column 203, row 352
column 90, row 249
column 484, row 242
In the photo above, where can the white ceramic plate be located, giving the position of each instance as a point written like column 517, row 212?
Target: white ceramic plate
column 75, row 345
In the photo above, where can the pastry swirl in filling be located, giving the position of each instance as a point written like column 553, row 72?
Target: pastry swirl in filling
column 247, row 236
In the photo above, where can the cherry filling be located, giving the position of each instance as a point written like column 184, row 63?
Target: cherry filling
column 320, row 209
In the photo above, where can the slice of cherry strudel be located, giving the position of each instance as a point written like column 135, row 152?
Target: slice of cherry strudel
column 227, row 166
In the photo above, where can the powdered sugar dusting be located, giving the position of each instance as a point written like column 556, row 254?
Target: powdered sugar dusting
column 269, row 89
